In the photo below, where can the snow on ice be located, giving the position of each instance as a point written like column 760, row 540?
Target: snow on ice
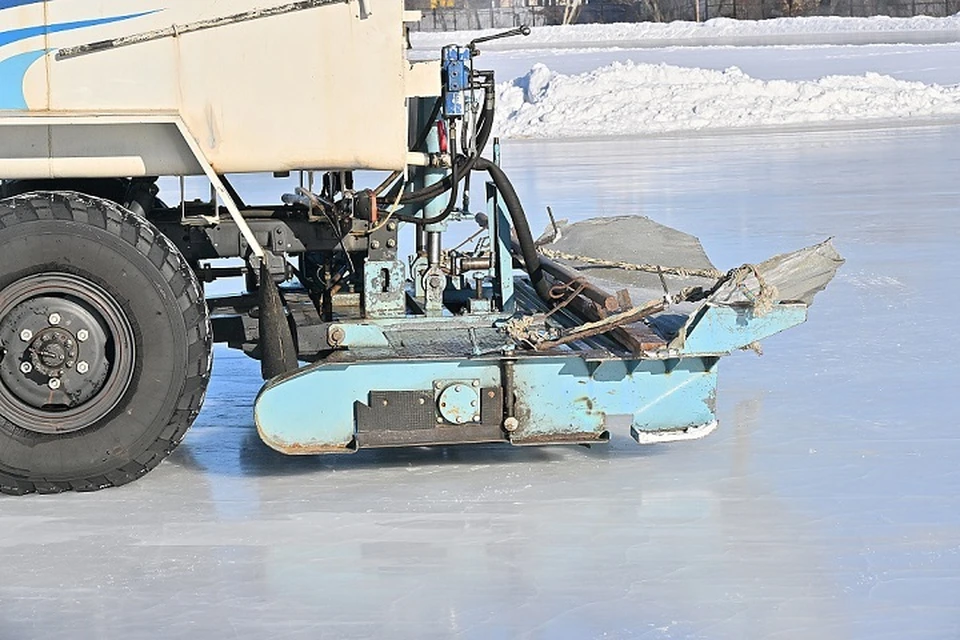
column 629, row 98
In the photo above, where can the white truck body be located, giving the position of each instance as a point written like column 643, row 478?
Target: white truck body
column 273, row 86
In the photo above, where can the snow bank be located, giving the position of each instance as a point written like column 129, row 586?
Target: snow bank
column 629, row 99
column 716, row 31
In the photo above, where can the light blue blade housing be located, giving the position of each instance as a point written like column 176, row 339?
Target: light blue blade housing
column 560, row 398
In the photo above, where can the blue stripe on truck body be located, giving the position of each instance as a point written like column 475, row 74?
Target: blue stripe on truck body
column 14, row 69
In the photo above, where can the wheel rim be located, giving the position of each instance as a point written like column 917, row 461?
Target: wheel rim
column 69, row 353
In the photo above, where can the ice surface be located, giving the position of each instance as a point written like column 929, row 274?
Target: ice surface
column 826, row 506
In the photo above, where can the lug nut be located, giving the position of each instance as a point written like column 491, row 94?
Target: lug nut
column 82, row 367
column 82, row 335
column 26, row 335
column 54, row 318
column 26, row 367
column 54, row 383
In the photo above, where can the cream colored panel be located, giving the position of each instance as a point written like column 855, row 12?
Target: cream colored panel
column 141, row 78
column 423, row 79
column 93, row 150
column 321, row 88
column 87, row 167
column 318, row 89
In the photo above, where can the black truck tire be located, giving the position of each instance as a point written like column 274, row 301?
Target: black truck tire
column 106, row 344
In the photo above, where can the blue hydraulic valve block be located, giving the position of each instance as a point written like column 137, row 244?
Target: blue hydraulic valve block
column 456, row 81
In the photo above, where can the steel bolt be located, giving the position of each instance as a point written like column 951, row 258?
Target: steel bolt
column 82, row 335
column 374, row 244
column 511, row 424
column 422, row 401
column 26, row 335
column 439, row 420
column 476, row 383
column 476, row 418
column 336, row 336
column 54, row 318
column 392, row 226
column 391, row 243
column 26, row 367
column 54, row 383
column 82, row 367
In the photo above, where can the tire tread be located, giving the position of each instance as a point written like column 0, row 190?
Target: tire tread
column 140, row 234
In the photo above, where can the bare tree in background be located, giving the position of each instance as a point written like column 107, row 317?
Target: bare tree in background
column 571, row 11
column 653, row 6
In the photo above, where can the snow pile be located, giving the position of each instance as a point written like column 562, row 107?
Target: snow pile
column 630, row 98
column 719, row 30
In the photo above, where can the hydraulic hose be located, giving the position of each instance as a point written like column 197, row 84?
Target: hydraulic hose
column 454, row 191
column 421, row 138
column 528, row 249
column 484, row 130
column 454, row 178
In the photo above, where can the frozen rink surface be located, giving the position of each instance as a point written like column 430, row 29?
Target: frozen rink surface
column 826, row 506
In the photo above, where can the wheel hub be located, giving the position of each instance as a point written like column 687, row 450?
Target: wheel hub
column 68, row 353
column 52, row 351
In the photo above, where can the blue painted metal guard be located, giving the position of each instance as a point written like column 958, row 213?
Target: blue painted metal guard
column 718, row 330
column 561, row 397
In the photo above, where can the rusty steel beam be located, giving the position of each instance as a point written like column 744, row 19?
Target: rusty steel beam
column 575, row 279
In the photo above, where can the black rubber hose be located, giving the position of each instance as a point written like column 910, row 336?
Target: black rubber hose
column 434, row 113
column 486, row 115
column 416, row 147
column 528, row 249
column 483, row 136
column 463, row 167
column 455, row 178
column 454, row 192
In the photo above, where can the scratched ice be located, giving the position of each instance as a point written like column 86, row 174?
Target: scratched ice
column 827, row 506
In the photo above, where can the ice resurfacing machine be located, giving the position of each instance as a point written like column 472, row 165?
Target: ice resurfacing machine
column 104, row 326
